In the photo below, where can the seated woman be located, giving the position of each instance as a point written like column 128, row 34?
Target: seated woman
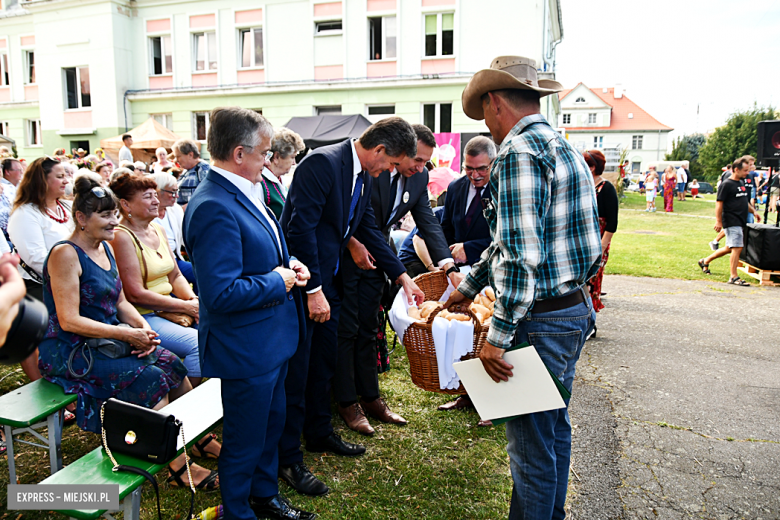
column 171, row 217
column 84, row 297
column 285, row 145
column 152, row 281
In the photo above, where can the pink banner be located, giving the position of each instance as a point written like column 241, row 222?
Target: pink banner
column 447, row 153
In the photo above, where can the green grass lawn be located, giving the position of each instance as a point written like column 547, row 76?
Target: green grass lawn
column 666, row 245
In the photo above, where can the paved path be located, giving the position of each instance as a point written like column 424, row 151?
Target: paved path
column 676, row 407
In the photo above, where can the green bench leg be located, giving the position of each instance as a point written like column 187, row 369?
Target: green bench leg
column 9, row 450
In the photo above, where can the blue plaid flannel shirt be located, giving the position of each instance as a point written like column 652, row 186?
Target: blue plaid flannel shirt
column 544, row 225
column 191, row 180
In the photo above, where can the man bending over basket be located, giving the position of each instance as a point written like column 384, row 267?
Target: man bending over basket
column 546, row 245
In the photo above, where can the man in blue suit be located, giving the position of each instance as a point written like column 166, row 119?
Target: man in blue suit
column 251, row 313
column 328, row 201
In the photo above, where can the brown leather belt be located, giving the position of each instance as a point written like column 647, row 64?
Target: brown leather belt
column 560, row 303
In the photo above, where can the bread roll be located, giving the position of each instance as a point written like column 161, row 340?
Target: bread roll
column 443, row 314
column 476, row 307
column 491, row 306
column 458, row 317
column 427, row 308
column 480, row 316
column 414, row 312
column 490, row 293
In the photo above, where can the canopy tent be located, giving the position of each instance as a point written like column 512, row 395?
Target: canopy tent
column 322, row 130
column 7, row 142
column 147, row 138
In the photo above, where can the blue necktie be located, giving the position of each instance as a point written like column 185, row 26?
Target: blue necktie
column 352, row 205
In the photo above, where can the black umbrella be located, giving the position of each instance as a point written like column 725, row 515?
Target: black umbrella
column 322, row 130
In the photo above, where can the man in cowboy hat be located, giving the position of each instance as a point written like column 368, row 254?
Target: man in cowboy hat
column 546, row 245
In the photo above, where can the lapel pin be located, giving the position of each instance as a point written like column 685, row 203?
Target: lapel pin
column 406, row 197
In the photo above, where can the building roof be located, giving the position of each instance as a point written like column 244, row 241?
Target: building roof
column 621, row 107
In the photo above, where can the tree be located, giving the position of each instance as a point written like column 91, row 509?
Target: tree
column 686, row 148
column 733, row 140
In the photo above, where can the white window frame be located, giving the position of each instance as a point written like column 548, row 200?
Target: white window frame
column 316, row 109
column 384, row 18
column 637, row 140
column 437, row 114
column 208, row 33
column 162, row 37
column 195, row 126
column 371, row 117
column 5, row 128
column 26, row 60
column 331, row 32
column 36, row 132
column 598, row 141
column 4, row 69
column 254, row 65
column 439, row 36
column 580, row 99
column 566, row 119
column 78, row 88
column 167, row 117
column 593, row 118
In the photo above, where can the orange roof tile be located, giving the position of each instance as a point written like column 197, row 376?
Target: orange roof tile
column 621, row 107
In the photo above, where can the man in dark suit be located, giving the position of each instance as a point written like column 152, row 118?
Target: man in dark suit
column 466, row 229
column 394, row 194
column 328, row 202
column 251, row 313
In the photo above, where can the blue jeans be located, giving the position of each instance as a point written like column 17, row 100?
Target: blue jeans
column 186, row 271
column 182, row 341
column 539, row 444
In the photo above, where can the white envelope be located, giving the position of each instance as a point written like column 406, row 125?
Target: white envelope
column 529, row 390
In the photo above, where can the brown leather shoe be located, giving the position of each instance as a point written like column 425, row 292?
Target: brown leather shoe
column 356, row 419
column 463, row 402
column 378, row 410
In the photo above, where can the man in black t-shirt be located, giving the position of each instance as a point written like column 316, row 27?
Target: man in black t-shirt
column 731, row 211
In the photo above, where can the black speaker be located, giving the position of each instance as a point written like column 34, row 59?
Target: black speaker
column 768, row 143
column 762, row 247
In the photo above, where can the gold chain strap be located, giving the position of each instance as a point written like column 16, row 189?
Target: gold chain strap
column 105, row 442
column 186, row 458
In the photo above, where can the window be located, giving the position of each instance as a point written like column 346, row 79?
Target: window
column 204, row 51
column 382, row 38
column 5, row 128
column 250, row 43
column 379, row 112
column 77, row 87
column 580, row 100
column 328, row 111
column 438, row 117
column 333, row 26
column 29, row 67
column 566, row 119
column 591, row 119
column 439, row 33
column 34, row 132
column 164, row 119
column 161, row 50
column 201, row 125
column 5, row 78
column 598, row 141
column 636, row 142
column 636, row 167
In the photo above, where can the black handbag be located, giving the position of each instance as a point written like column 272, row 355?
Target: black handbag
column 112, row 348
column 144, row 434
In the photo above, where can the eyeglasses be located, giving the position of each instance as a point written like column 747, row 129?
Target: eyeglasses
column 171, row 193
column 481, row 170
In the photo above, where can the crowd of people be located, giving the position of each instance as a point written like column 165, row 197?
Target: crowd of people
column 217, row 269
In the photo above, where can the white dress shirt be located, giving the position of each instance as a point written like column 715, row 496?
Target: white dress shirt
column 34, row 234
column 172, row 224
column 252, row 191
column 270, row 177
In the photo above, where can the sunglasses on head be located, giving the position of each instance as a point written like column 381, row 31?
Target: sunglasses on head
column 100, row 192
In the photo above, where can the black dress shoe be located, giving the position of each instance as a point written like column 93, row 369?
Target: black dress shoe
column 277, row 507
column 335, row 444
column 302, row 480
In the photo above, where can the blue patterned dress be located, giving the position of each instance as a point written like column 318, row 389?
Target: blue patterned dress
column 143, row 381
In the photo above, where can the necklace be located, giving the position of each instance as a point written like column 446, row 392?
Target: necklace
column 59, row 215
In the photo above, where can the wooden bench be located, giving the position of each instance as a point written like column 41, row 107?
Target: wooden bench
column 200, row 410
column 28, row 409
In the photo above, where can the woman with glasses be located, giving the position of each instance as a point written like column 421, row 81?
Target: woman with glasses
column 285, row 145
column 40, row 218
column 171, row 217
column 84, row 296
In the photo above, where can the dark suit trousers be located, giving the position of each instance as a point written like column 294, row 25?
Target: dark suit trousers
column 308, row 385
column 356, row 371
column 254, row 412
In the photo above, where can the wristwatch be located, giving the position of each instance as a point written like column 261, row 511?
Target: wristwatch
column 453, row 269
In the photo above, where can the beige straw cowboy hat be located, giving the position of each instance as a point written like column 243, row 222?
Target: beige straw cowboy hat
column 505, row 72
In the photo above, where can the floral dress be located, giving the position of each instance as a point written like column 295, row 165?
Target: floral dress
column 142, row 381
column 669, row 187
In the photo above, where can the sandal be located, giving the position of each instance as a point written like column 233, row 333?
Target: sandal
column 199, row 448
column 207, row 484
column 738, row 281
column 705, row 268
column 3, row 447
column 68, row 417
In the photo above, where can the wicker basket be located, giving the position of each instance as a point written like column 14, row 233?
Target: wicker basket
column 418, row 338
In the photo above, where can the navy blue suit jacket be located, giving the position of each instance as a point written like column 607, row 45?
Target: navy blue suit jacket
column 476, row 237
column 249, row 324
column 315, row 216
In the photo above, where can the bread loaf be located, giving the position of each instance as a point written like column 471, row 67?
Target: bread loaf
column 414, row 312
column 490, row 293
